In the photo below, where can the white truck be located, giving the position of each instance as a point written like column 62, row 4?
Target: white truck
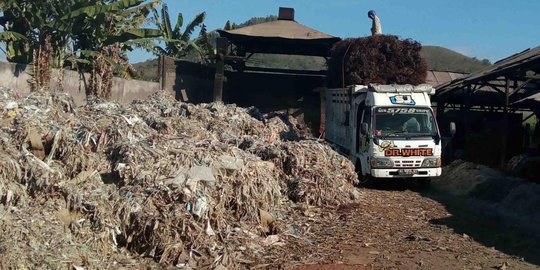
column 388, row 131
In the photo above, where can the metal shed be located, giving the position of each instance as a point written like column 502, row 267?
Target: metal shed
column 509, row 86
column 516, row 78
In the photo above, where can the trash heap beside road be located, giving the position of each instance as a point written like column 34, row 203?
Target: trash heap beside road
column 158, row 181
column 511, row 196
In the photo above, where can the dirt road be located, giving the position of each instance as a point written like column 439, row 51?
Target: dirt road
column 395, row 228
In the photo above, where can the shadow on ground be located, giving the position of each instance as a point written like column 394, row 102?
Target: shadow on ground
column 489, row 226
column 394, row 185
column 481, row 220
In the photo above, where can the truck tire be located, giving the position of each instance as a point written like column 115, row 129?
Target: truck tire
column 363, row 180
column 367, row 181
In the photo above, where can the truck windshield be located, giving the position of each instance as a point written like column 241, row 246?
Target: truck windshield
column 404, row 121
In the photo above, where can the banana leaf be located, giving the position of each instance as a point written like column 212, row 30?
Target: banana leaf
column 11, row 36
column 94, row 10
column 133, row 34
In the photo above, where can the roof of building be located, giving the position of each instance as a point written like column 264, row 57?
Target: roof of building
column 521, row 71
column 436, row 78
column 285, row 29
column 283, row 36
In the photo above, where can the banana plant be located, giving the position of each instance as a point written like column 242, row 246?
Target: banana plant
column 102, row 24
column 91, row 34
column 74, row 25
column 178, row 42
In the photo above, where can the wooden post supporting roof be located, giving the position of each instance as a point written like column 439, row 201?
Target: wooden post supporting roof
column 504, row 143
column 219, row 78
column 509, row 85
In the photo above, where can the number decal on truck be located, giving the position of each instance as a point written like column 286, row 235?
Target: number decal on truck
column 382, row 110
column 408, row 152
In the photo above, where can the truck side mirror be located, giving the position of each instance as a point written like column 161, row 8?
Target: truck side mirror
column 452, row 129
column 364, row 128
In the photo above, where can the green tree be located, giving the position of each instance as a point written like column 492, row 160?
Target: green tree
column 102, row 33
column 258, row 20
column 94, row 34
column 178, row 41
column 74, row 25
column 28, row 18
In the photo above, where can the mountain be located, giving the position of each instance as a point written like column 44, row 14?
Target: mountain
column 437, row 58
column 443, row 59
column 147, row 70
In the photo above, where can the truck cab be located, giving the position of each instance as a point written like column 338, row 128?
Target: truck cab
column 388, row 131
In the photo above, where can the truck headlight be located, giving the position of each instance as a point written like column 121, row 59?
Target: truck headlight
column 381, row 163
column 431, row 162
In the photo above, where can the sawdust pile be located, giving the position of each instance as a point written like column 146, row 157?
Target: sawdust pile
column 156, row 182
column 383, row 59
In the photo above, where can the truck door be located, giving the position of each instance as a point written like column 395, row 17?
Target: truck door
column 363, row 140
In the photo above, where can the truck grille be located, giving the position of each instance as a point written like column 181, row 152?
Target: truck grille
column 408, row 163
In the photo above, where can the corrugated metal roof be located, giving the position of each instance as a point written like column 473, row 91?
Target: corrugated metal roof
column 521, row 70
column 436, row 78
column 497, row 69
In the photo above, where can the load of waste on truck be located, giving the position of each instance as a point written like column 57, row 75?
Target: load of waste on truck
column 379, row 59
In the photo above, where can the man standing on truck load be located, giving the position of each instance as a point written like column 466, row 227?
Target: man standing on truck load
column 376, row 28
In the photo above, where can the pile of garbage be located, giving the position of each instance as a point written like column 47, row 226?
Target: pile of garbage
column 511, row 195
column 525, row 166
column 382, row 59
column 159, row 181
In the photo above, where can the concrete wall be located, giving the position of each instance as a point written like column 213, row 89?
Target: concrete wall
column 17, row 76
column 191, row 82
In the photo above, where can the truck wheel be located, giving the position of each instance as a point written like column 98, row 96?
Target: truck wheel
column 367, row 181
column 424, row 182
column 363, row 180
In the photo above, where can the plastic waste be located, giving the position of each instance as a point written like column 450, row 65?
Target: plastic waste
column 12, row 105
column 231, row 163
column 201, row 173
column 200, row 206
column 209, row 230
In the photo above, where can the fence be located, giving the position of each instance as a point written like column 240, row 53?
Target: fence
column 17, row 77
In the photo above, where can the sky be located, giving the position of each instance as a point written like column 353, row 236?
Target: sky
column 486, row 29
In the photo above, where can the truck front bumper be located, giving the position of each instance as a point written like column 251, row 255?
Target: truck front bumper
column 394, row 173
